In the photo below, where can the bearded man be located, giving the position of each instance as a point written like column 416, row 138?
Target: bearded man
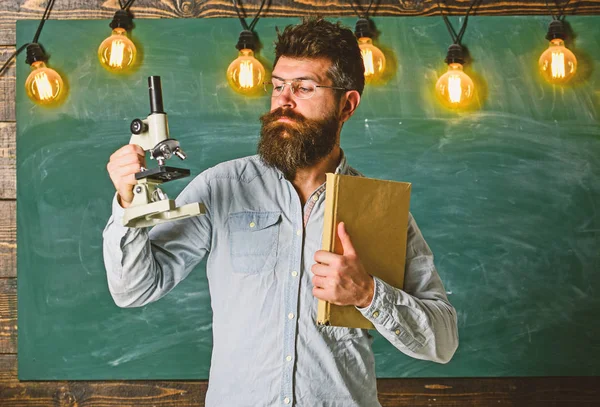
column 262, row 234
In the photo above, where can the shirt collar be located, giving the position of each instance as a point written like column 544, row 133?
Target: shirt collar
column 343, row 167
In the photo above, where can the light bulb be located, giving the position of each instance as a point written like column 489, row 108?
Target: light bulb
column 44, row 86
column 557, row 64
column 117, row 52
column 454, row 88
column 373, row 59
column 246, row 74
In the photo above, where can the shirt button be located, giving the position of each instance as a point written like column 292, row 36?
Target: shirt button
column 288, row 358
column 397, row 332
column 290, row 316
column 294, row 274
column 286, row 400
column 376, row 314
column 252, row 224
column 299, row 232
column 315, row 198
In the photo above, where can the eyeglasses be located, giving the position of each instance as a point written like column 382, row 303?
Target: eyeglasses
column 301, row 89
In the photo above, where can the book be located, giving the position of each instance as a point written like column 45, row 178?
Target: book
column 375, row 213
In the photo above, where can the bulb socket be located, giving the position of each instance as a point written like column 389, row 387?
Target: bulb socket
column 247, row 40
column 455, row 55
column 363, row 28
column 122, row 19
column 556, row 29
column 35, row 53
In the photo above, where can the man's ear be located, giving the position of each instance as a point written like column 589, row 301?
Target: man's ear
column 350, row 101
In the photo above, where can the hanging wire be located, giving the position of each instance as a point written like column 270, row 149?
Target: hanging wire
column 366, row 16
column 44, row 18
column 35, row 37
column 561, row 11
column 245, row 25
column 127, row 5
column 457, row 38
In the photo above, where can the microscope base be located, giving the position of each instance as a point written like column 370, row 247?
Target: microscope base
column 150, row 206
column 151, row 214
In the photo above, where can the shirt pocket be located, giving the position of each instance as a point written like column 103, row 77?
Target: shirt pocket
column 253, row 241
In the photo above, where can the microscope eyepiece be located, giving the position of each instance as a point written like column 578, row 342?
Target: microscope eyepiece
column 155, row 90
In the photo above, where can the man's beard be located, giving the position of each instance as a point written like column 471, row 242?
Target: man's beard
column 301, row 144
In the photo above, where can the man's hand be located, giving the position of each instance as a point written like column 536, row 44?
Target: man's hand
column 342, row 279
column 123, row 165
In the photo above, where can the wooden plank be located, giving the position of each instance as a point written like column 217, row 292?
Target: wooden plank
column 485, row 392
column 462, row 392
column 8, row 315
column 95, row 393
column 12, row 10
column 8, row 157
column 8, row 239
column 7, row 86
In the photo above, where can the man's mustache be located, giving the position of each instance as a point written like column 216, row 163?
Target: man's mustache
column 279, row 113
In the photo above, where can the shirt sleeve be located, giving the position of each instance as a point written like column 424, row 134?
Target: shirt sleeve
column 419, row 320
column 141, row 265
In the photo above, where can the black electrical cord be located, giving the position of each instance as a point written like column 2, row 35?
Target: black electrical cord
column 127, row 5
column 8, row 61
column 44, row 18
column 35, row 37
column 245, row 25
column 366, row 16
column 457, row 38
column 561, row 11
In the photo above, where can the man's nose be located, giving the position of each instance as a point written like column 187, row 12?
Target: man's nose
column 286, row 99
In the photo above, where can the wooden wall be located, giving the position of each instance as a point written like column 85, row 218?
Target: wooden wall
column 555, row 391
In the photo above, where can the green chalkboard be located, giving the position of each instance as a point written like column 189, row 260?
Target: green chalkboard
column 507, row 196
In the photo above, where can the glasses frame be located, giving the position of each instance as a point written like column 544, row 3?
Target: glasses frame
column 289, row 83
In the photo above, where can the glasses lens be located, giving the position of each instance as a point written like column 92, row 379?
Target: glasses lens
column 303, row 89
column 274, row 88
column 300, row 89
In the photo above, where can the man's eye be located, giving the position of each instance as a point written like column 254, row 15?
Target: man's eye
column 278, row 88
column 304, row 89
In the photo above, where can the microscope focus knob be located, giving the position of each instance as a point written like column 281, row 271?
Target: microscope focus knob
column 138, row 127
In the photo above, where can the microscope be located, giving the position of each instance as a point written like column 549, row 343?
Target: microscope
column 150, row 205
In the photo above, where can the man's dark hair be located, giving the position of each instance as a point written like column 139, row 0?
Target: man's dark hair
column 318, row 38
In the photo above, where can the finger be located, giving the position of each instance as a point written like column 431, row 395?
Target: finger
column 127, row 159
column 128, row 149
column 129, row 181
column 322, row 270
column 345, row 239
column 125, row 171
column 325, row 257
column 321, row 282
column 321, row 294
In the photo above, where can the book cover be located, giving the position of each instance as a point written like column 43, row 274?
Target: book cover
column 375, row 213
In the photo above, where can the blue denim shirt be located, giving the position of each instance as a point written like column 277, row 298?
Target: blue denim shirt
column 260, row 242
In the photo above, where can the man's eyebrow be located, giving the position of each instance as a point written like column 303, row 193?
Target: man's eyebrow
column 301, row 78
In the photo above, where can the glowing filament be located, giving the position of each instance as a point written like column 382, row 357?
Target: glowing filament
column 454, row 88
column 246, row 77
column 558, row 65
column 116, row 53
column 44, row 89
column 368, row 61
